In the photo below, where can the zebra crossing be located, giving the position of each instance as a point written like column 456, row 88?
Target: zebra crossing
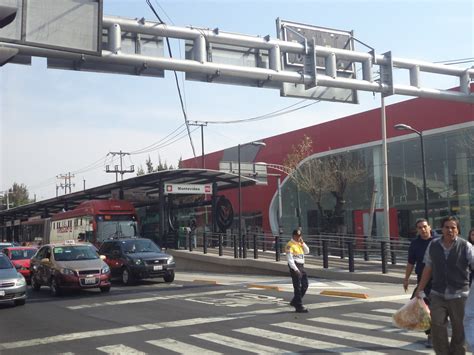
column 358, row 333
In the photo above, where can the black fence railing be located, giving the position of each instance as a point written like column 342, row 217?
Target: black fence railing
column 356, row 250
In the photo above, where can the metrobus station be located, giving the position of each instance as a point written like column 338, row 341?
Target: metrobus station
column 181, row 196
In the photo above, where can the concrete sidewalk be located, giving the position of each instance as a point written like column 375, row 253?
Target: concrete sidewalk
column 338, row 269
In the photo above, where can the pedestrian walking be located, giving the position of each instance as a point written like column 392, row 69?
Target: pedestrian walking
column 416, row 254
column 447, row 260
column 296, row 248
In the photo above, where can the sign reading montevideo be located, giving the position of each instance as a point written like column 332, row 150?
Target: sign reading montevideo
column 188, row 189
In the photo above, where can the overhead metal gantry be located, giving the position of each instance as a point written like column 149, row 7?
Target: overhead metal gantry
column 304, row 61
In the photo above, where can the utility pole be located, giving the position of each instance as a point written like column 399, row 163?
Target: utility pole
column 116, row 170
column 201, row 124
column 67, row 183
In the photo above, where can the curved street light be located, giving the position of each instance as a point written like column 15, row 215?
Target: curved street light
column 405, row 127
column 263, row 144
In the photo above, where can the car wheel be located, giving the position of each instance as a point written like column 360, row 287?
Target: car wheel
column 55, row 289
column 105, row 289
column 34, row 284
column 20, row 302
column 169, row 277
column 127, row 277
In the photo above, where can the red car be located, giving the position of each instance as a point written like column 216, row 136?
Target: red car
column 20, row 257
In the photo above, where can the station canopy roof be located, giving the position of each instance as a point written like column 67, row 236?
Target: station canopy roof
column 140, row 190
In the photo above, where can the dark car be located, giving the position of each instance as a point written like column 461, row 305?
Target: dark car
column 137, row 258
column 69, row 266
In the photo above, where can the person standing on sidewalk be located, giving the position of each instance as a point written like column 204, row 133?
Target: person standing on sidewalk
column 416, row 253
column 296, row 248
column 447, row 260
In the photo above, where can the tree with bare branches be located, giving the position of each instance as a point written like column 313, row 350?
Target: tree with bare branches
column 320, row 176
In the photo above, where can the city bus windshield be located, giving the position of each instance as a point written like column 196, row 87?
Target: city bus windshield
column 113, row 229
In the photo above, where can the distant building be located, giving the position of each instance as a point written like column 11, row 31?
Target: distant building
column 448, row 131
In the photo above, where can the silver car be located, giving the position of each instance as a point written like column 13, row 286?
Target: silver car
column 12, row 283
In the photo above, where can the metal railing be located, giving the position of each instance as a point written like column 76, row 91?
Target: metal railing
column 354, row 252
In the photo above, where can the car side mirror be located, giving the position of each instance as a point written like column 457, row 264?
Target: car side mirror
column 102, row 257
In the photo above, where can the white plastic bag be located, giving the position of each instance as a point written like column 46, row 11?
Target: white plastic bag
column 415, row 315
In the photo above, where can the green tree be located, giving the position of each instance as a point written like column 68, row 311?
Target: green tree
column 140, row 171
column 17, row 196
column 149, row 165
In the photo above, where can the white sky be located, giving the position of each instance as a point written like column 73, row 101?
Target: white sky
column 54, row 121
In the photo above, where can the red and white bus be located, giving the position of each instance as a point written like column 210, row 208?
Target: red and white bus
column 95, row 221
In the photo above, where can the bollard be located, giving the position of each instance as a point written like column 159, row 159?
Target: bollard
column 366, row 249
column 393, row 255
column 350, row 251
column 384, row 257
column 190, row 242
column 244, row 246
column 277, row 248
column 255, row 248
column 236, row 254
column 264, row 246
column 221, row 252
column 318, row 243
column 325, row 254
column 204, row 241
column 341, row 246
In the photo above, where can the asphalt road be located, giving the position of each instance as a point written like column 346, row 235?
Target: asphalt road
column 210, row 314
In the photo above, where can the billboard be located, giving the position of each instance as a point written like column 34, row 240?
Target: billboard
column 68, row 25
column 314, row 64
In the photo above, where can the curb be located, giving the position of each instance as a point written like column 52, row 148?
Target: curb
column 266, row 287
column 344, row 294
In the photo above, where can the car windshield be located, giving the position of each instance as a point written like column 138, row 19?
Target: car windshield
column 22, row 254
column 5, row 263
column 140, row 246
column 77, row 252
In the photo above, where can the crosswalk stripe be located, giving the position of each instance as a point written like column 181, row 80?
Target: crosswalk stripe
column 393, row 343
column 385, row 310
column 119, row 349
column 376, row 317
column 240, row 344
column 147, row 299
column 369, row 326
column 181, row 347
column 305, row 342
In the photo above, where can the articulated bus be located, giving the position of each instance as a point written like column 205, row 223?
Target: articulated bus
column 95, row 221
column 92, row 221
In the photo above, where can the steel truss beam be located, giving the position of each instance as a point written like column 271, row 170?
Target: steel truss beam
column 274, row 74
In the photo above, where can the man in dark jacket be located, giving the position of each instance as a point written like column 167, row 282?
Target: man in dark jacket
column 447, row 260
column 416, row 254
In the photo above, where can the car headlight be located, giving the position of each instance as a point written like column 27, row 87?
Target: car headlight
column 20, row 282
column 170, row 260
column 139, row 262
column 105, row 270
column 67, row 272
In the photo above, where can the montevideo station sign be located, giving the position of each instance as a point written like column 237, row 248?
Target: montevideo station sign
column 188, row 189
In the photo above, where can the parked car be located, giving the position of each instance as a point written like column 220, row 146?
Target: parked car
column 69, row 266
column 5, row 245
column 20, row 257
column 12, row 283
column 137, row 258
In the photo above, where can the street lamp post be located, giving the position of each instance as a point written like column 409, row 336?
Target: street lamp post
column 404, row 127
column 240, row 193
